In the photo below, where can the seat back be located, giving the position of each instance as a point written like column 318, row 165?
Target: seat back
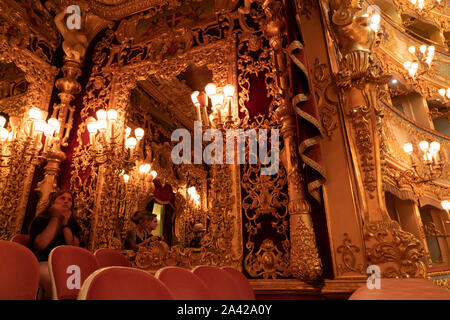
column 242, row 283
column 19, row 272
column 111, row 258
column 69, row 266
column 123, row 283
column 219, row 282
column 23, row 239
column 183, row 284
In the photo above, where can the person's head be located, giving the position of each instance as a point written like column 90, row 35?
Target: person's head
column 145, row 219
column 199, row 230
column 62, row 199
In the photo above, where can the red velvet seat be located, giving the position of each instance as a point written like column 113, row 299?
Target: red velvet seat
column 242, row 283
column 183, row 284
column 122, row 283
column 111, row 258
column 23, row 239
column 219, row 282
column 19, row 272
column 402, row 289
column 69, row 266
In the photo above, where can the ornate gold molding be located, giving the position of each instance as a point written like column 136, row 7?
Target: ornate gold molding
column 399, row 252
column 347, row 252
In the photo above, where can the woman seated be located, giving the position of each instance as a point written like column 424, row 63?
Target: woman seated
column 141, row 234
column 55, row 226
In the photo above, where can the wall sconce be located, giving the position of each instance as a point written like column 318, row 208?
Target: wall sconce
column 430, row 168
column 221, row 100
column 424, row 56
column 33, row 134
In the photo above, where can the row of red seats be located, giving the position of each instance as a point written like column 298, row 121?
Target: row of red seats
column 106, row 275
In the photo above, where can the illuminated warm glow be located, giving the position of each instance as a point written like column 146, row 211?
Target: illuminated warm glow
column 446, row 205
column 127, row 132
column 194, row 98
column 435, row 147
column 210, row 89
column 39, row 126
column 112, row 115
column 126, row 178
column 228, row 91
column 3, row 134
column 130, row 143
column 407, row 65
column 49, row 130
column 412, row 49
column 91, row 124
column 139, row 133
column 424, row 145
column 2, row 121
column 154, row 174
column 101, row 114
column 55, row 123
column 442, row 92
column 102, row 125
column 423, row 48
column 408, row 147
column 35, row 113
column 217, row 100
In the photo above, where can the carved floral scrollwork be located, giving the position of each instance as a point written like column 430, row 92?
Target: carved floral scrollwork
column 347, row 250
column 400, row 252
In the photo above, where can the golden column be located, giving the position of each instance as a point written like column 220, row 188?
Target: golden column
column 74, row 45
column 305, row 263
column 360, row 76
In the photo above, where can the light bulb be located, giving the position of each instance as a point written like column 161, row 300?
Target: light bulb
column 142, row 168
column 424, row 145
column 2, row 121
column 423, row 48
column 228, row 91
column 91, row 125
column 35, row 113
column 147, row 167
column 217, row 100
column 49, row 130
column 210, row 89
column 408, row 147
column 442, row 92
column 3, row 134
column 412, row 49
column 55, row 123
column 435, row 147
column 448, row 93
column 112, row 115
column 130, row 143
column 126, row 178
column 154, row 174
column 445, row 205
column 102, row 125
column 139, row 133
column 127, row 132
column 194, row 99
column 101, row 114
column 407, row 65
column 40, row 125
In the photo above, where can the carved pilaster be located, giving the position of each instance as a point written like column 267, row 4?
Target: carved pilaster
column 360, row 77
column 305, row 263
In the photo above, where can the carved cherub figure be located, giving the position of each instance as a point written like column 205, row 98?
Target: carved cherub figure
column 75, row 41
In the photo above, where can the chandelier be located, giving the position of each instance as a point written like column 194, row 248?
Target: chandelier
column 33, row 135
column 110, row 144
column 424, row 56
column 430, row 167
